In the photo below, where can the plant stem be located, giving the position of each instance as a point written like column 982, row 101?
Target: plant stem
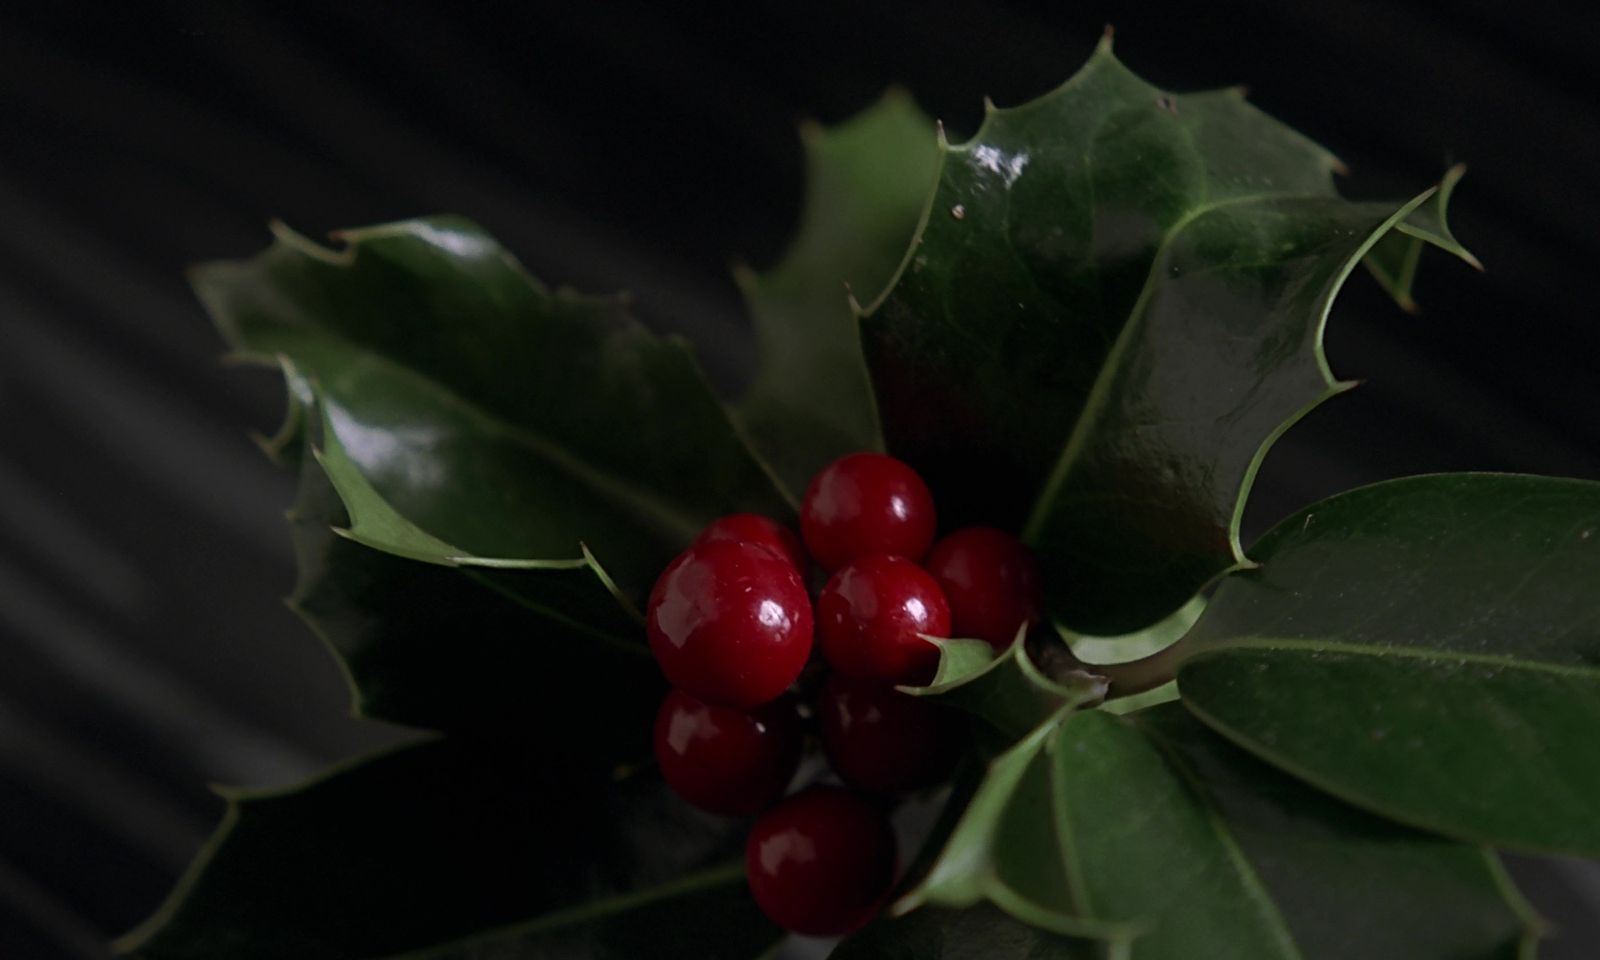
column 1146, row 673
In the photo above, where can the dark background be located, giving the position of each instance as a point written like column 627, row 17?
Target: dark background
column 143, row 649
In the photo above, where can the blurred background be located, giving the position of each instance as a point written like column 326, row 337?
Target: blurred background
column 144, row 651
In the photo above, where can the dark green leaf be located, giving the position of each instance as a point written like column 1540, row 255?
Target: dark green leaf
column 1151, row 825
column 491, row 414
column 1012, row 691
column 866, row 182
column 1114, row 305
column 410, row 852
column 1428, row 648
column 512, row 653
column 981, row 931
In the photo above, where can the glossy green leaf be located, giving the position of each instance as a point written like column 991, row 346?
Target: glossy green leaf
column 1114, row 304
column 1152, row 826
column 1013, row 692
column 449, row 850
column 866, row 182
column 980, row 931
column 490, row 413
column 514, row 654
column 1428, row 648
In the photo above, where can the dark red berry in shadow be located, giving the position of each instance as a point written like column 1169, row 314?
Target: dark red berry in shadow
column 728, row 761
column 881, row 740
column 730, row 623
column 991, row 581
column 821, row 862
column 870, row 617
column 761, row 531
column 863, row 504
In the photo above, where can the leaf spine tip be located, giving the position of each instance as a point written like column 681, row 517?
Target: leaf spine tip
column 855, row 305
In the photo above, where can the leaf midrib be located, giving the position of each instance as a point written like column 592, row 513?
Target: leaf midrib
column 1100, row 391
column 1377, row 650
column 1243, row 867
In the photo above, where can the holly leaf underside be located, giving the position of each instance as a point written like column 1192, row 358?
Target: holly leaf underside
column 1427, row 648
column 1154, row 828
column 446, row 850
column 1114, row 304
column 1012, row 692
column 866, row 182
column 494, row 653
column 496, row 416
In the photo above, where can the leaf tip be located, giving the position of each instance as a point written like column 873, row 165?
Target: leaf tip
column 912, row 900
column 856, row 306
column 811, row 132
column 744, row 276
column 224, row 791
column 896, row 95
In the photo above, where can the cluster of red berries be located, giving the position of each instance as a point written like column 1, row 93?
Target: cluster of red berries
column 731, row 623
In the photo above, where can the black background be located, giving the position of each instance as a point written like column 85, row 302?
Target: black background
column 143, row 650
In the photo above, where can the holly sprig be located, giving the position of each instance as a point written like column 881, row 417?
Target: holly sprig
column 1087, row 323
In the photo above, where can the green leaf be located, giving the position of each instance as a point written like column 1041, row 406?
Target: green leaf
column 1427, row 648
column 514, row 654
column 866, row 182
column 1012, row 692
column 981, row 931
column 1152, row 826
column 410, row 852
column 488, row 412
column 1114, row 305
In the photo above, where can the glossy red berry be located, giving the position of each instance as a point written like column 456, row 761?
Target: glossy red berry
column 821, row 862
column 728, row 761
column 871, row 615
column 761, row 531
column 991, row 581
column 881, row 740
column 730, row 623
column 863, row 504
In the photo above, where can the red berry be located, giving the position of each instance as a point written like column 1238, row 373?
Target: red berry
column 761, row 531
column 821, row 862
column 728, row 761
column 870, row 615
column 881, row 740
column 730, row 623
column 991, row 582
column 863, row 504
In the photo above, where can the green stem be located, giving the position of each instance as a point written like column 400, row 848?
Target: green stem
column 1146, row 673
